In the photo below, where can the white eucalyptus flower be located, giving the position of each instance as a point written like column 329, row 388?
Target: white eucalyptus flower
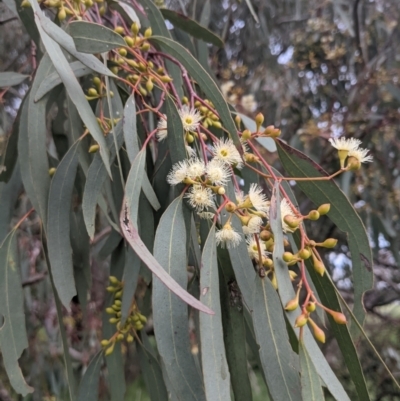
column 162, row 131
column 196, row 168
column 218, row 172
column 253, row 226
column 227, row 237
column 200, row 197
column 252, row 248
column 286, row 210
column 190, row 118
column 258, row 198
column 361, row 155
column 226, row 151
column 178, row 173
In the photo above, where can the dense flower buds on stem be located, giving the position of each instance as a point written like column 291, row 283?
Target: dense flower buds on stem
column 324, row 209
column 271, row 132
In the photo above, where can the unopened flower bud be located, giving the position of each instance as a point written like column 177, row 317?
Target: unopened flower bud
column 259, row 120
column 122, row 52
column 145, row 47
column 119, row 29
column 166, row 79
column 129, row 338
column 324, row 209
column 291, row 221
column 148, row 32
column 292, row 275
column 288, row 257
column 329, row 243
column 310, row 307
column 113, row 280
column 62, row 14
column 318, row 332
column 129, row 41
column 318, row 266
column 135, row 28
column 313, row 215
column 246, row 134
column 230, row 207
column 110, row 311
column 338, row 317
column 238, row 120
column 301, row 320
column 268, row 263
column 221, row 191
column 265, row 235
column 304, row 254
column 52, row 171
column 92, row 92
column 110, row 350
column 104, row 343
column 292, row 304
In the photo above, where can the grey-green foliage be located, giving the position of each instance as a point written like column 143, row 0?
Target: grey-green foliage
column 120, row 193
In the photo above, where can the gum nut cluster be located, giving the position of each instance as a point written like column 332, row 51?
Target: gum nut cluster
column 350, row 148
column 134, row 322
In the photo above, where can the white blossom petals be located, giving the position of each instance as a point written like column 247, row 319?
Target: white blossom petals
column 227, row 237
column 178, row 173
column 361, row 155
column 347, row 144
column 258, row 198
column 162, row 131
column 190, row 118
column 200, row 198
column 226, row 151
column 218, row 172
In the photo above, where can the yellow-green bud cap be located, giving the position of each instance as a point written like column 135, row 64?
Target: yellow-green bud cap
column 301, row 320
column 318, row 332
column 230, row 207
column 329, row 243
column 338, row 317
column 246, row 134
column 292, row 304
column 104, row 343
column 52, row 171
column 310, row 306
column 288, row 257
column 313, row 215
column 119, row 29
column 62, row 14
column 304, row 254
column 318, row 266
column 148, row 32
column 149, row 85
column 92, row 92
column 122, row 52
column 259, row 120
column 114, row 280
column 135, row 28
column 324, row 209
column 110, row 311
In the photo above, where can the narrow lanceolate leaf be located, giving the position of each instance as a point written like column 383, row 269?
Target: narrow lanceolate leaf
column 311, row 389
column 170, row 314
column 151, row 371
column 89, row 386
column 79, row 70
column 341, row 213
column 287, row 293
column 130, row 128
column 215, row 366
column 175, row 132
column 96, row 175
column 206, row 83
column 10, row 78
column 66, row 42
column 131, row 234
column 94, row 38
column 125, row 10
column 73, row 87
column 13, row 338
column 60, row 251
column 192, row 27
column 32, row 145
column 130, row 278
column 277, row 358
column 134, row 185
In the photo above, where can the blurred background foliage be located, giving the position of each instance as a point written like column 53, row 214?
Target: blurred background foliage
column 313, row 68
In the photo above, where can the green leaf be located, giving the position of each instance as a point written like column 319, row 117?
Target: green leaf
column 10, row 154
column 277, row 358
column 287, row 293
column 206, row 83
column 158, row 27
column 131, row 234
column 234, row 333
column 13, row 338
column 73, row 87
column 130, row 128
column 32, row 146
column 134, row 185
column 342, row 213
column 311, row 389
column 192, row 27
column 151, row 371
column 175, row 139
column 170, row 314
column 125, row 10
column 215, row 367
column 79, row 70
column 96, row 175
column 58, row 228
column 130, row 278
column 10, row 78
column 94, row 38
column 65, row 41
column 89, row 386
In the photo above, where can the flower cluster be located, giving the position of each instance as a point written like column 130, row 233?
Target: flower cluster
column 350, row 148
